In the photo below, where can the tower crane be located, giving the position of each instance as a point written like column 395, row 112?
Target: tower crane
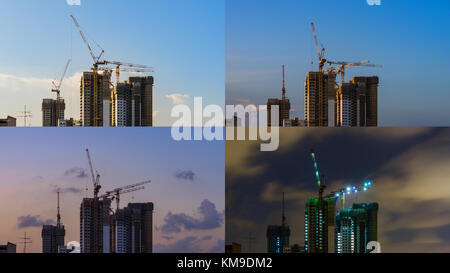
column 96, row 64
column 341, row 193
column 319, row 178
column 101, row 62
column 343, row 65
column 322, row 61
column 57, row 89
column 97, row 187
column 320, row 51
column 116, row 193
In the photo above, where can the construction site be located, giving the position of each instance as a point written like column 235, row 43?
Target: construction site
column 329, row 102
column 103, row 101
column 344, row 104
column 329, row 227
column 103, row 228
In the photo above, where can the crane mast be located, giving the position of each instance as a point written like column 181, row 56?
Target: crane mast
column 57, row 90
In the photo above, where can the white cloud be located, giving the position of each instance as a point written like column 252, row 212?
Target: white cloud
column 177, row 98
column 18, row 91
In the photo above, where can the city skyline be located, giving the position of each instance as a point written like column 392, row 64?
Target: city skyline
column 33, row 166
column 174, row 38
column 391, row 35
column 408, row 168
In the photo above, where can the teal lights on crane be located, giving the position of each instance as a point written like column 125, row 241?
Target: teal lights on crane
column 316, row 168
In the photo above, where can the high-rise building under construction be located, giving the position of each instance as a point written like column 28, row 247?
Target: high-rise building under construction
column 278, row 236
column 284, row 106
column 319, row 225
column 90, row 227
column 357, row 103
column 132, row 229
column 133, row 104
column 356, row 227
column 49, row 112
column 320, row 97
column 53, row 236
column 87, row 99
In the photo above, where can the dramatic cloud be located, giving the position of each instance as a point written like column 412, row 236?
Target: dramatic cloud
column 76, row 172
column 409, row 167
column 33, row 221
column 177, row 98
column 185, row 175
column 209, row 219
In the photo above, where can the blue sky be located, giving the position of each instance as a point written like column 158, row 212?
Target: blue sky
column 409, row 38
column 183, row 40
column 37, row 159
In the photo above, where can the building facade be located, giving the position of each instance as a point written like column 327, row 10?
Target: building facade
column 50, row 112
column 319, row 225
column 133, row 103
column 357, row 103
column 132, row 229
column 52, row 238
column 356, row 227
column 95, row 233
column 320, row 99
column 103, row 106
column 278, row 238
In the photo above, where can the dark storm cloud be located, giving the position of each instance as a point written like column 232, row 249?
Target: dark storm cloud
column 209, row 219
column 32, row 221
column 76, row 172
column 185, row 175
column 185, row 245
column 347, row 156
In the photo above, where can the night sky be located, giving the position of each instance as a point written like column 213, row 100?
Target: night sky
column 409, row 168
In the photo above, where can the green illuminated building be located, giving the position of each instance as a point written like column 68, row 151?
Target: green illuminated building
column 356, row 227
column 319, row 225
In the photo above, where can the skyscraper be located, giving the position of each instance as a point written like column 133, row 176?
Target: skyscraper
column 132, row 229
column 53, row 236
column 368, row 95
column 357, row 103
column 319, row 225
column 49, row 112
column 284, row 106
column 319, row 106
column 101, row 226
column 133, row 104
column 103, row 108
column 278, row 236
column 356, row 227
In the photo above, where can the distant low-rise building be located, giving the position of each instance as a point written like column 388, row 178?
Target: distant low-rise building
column 8, row 122
column 8, row 248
